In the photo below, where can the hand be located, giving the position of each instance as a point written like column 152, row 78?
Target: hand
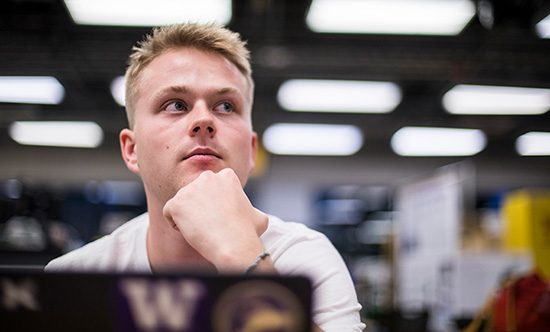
column 216, row 218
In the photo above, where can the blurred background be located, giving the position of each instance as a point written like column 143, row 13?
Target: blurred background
column 354, row 105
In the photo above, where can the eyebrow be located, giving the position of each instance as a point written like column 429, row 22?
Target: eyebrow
column 174, row 89
column 231, row 91
column 224, row 91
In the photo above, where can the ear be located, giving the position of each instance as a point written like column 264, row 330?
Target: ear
column 253, row 150
column 128, row 149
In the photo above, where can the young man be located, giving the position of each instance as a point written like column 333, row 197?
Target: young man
column 190, row 139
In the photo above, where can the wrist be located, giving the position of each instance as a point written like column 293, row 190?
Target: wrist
column 256, row 262
column 234, row 260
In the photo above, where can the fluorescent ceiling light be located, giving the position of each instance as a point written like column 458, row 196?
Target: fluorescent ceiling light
column 148, row 12
column 312, row 139
column 422, row 17
column 480, row 99
column 534, row 144
column 118, row 90
column 543, row 27
column 57, row 133
column 426, row 141
column 339, row 96
column 31, row 89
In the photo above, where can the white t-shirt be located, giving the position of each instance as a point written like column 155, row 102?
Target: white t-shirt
column 295, row 250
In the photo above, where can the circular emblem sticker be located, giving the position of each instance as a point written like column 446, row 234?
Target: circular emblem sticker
column 258, row 306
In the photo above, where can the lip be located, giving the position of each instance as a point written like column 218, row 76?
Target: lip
column 202, row 153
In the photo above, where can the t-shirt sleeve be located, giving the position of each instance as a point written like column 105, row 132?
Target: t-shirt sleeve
column 335, row 305
column 124, row 250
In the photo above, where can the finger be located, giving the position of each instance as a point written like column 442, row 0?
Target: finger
column 168, row 217
column 174, row 226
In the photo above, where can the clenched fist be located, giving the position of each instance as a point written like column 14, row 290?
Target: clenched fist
column 216, row 218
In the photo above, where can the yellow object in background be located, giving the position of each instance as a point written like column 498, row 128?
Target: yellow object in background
column 527, row 225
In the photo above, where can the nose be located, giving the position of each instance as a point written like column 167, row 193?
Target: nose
column 202, row 122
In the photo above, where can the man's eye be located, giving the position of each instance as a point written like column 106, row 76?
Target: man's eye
column 176, row 106
column 225, row 108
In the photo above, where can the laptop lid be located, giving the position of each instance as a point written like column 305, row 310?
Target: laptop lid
column 35, row 301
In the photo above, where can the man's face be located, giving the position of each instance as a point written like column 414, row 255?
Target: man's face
column 192, row 114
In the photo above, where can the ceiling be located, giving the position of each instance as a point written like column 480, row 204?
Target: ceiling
column 38, row 37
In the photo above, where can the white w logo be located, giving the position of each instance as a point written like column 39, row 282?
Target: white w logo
column 163, row 303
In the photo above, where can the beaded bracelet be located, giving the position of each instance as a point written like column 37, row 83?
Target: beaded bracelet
column 256, row 262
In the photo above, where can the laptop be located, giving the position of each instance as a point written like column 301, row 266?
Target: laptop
column 37, row 301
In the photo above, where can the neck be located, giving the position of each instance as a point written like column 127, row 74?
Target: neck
column 168, row 249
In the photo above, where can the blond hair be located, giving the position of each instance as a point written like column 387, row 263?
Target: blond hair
column 209, row 37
